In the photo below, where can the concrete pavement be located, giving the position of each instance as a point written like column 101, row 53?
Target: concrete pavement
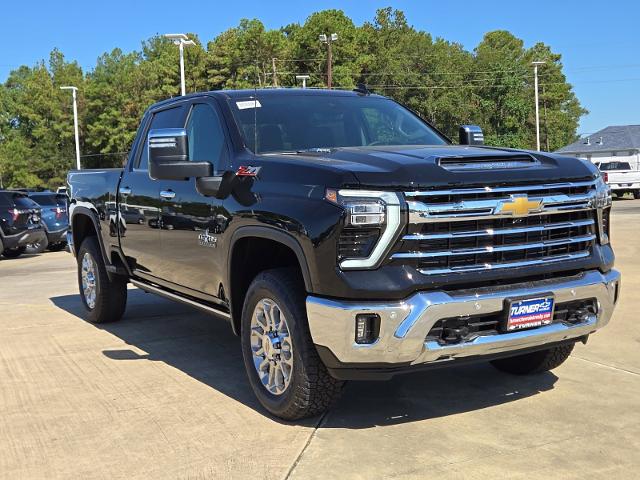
column 163, row 394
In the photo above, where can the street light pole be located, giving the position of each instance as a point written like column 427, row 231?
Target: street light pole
column 75, row 122
column 535, row 75
column 304, row 79
column 329, row 39
column 181, row 40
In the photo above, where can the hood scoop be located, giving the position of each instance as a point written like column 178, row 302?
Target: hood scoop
column 487, row 162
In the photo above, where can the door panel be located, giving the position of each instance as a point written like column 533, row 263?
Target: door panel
column 137, row 221
column 191, row 223
column 137, row 216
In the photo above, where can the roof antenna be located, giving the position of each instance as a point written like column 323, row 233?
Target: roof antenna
column 362, row 89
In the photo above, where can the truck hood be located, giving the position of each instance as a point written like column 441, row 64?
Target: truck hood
column 411, row 167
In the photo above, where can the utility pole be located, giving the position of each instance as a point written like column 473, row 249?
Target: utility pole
column 535, row 74
column 329, row 39
column 75, row 122
column 275, row 74
column 181, row 40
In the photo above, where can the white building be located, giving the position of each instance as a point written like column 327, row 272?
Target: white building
column 619, row 143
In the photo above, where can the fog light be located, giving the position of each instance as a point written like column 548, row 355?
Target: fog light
column 367, row 328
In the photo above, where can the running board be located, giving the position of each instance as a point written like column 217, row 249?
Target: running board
column 178, row 298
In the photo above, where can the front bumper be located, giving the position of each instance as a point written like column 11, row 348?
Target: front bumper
column 404, row 325
column 23, row 238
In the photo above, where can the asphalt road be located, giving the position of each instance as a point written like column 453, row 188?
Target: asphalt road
column 163, row 394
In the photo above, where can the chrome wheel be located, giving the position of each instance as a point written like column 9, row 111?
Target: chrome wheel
column 271, row 346
column 89, row 284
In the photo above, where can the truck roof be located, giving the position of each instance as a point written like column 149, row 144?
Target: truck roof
column 267, row 92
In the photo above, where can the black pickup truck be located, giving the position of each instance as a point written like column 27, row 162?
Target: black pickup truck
column 345, row 238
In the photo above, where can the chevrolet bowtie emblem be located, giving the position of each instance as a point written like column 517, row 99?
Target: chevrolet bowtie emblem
column 519, row 206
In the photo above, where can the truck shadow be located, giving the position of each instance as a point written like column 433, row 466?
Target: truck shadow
column 205, row 349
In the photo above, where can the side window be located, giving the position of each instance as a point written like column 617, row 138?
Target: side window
column 169, row 118
column 205, row 135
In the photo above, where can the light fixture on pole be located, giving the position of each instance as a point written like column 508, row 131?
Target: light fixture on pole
column 535, row 75
column 329, row 39
column 304, row 79
column 75, row 122
column 181, row 40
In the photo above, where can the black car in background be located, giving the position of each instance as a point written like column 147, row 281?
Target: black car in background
column 55, row 220
column 20, row 224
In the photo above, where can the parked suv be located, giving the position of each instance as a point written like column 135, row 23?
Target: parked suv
column 55, row 220
column 343, row 237
column 19, row 223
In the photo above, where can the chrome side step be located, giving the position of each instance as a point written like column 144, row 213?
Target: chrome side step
column 178, row 298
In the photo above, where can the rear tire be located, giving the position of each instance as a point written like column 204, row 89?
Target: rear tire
column 38, row 246
column 104, row 299
column 535, row 362
column 13, row 252
column 284, row 369
column 56, row 247
column 636, row 194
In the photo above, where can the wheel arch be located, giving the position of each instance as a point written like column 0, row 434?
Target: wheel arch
column 84, row 224
column 266, row 248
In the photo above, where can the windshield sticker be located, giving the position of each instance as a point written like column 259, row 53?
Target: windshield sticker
column 248, row 104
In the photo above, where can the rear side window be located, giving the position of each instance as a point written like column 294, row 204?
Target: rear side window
column 4, row 200
column 169, row 118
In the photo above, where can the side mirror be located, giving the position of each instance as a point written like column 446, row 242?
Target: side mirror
column 470, row 135
column 217, row 186
column 169, row 156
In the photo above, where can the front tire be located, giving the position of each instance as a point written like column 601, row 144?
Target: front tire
column 636, row 194
column 38, row 246
column 104, row 299
column 284, row 369
column 535, row 362
column 13, row 252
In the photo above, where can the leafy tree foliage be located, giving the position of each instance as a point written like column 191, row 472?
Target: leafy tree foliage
column 446, row 84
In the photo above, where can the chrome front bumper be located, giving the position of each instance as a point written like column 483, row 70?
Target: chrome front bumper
column 405, row 324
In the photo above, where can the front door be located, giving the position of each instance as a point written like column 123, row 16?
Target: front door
column 190, row 222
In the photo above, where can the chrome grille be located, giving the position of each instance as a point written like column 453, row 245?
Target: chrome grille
column 478, row 229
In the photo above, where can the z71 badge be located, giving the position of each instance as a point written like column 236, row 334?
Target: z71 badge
column 205, row 239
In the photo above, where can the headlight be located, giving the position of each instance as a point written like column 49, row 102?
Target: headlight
column 603, row 194
column 603, row 203
column 372, row 222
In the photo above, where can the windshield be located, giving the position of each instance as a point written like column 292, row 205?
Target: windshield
column 615, row 166
column 292, row 123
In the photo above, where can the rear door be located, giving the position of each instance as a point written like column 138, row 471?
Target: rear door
column 137, row 215
column 190, row 221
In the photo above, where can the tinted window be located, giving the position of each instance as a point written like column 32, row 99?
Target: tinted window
column 205, row 135
column 170, row 118
column 300, row 122
column 4, row 199
column 615, row 166
column 22, row 201
column 49, row 199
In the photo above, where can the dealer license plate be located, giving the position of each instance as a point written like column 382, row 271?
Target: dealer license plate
column 530, row 312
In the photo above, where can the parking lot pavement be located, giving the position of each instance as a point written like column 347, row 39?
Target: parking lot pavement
column 163, row 394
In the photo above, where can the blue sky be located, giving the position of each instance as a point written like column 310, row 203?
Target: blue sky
column 599, row 41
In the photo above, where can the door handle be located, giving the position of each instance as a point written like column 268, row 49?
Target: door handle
column 125, row 191
column 168, row 194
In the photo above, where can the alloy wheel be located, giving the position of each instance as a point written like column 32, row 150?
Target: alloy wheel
column 89, row 284
column 271, row 346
